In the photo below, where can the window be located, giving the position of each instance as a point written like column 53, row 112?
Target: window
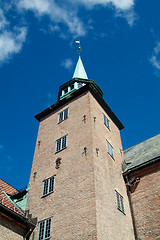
column 72, row 87
column 61, row 143
column 44, row 229
column 48, row 186
column 120, row 204
column 106, row 122
column 79, row 85
column 110, row 149
column 65, row 90
column 63, row 115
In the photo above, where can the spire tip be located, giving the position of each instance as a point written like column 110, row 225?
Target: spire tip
column 79, row 47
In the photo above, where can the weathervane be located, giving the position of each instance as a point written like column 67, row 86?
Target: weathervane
column 79, row 47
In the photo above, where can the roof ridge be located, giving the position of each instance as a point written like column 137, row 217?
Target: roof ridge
column 126, row 150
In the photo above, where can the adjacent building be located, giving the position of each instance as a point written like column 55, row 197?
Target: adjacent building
column 15, row 223
column 141, row 170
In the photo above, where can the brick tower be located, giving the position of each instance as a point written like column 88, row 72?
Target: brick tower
column 76, row 187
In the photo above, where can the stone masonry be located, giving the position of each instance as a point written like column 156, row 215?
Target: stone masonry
column 83, row 205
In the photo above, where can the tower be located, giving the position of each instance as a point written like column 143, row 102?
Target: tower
column 76, row 186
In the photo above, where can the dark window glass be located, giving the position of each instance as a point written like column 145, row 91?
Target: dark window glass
column 44, row 229
column 120, row 204
column 72, row 86
column 63, row 115
column 66, row 90
column 61, row 143
column 48, row 185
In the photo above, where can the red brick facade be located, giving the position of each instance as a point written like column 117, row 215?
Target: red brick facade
column 145, row 197
column 83, row 205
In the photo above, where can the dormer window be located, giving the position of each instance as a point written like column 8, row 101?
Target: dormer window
column 65, row 90
column 72, row 87
column 79, row 85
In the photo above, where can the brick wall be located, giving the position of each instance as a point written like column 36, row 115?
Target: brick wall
column 83, row 205
column 111, row 223
column 146, row 201
column 72, row 205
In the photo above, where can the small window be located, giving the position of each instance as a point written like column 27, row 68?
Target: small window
column 72, row 87
column 48, row 186
column 61, row 143
column 120, row 204
column 106, row 122
column 79, row 85
column 110, row 149
column 44, row 229
column 65, row 90
column 63, row 115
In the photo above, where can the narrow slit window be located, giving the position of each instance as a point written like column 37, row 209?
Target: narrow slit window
column 120, row 202
column 106, row 122
column 44, row 229
column 110, row 149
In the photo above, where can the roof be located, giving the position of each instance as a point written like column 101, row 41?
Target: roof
column 96, row 92
column 79, row 70
column 7, row 188
column 6, row 191
column 141, row 154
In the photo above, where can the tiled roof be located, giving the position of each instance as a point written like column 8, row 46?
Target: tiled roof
column 6, row 191
column 142, row 153
column 7, row 188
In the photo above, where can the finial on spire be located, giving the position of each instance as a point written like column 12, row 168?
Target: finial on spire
column 79, row 47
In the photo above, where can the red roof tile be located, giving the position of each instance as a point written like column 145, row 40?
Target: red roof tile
column 4, row 200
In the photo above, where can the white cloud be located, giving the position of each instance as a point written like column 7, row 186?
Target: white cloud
column 155, row 59
column 56, row 13
column 67, row 63
column 129, row 15
column 119, row 4
column 11, row 42
column 3, row 21
column 60, row 13
column 39, row 6
column 66, row 11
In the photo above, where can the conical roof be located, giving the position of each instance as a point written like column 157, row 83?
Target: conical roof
column 79, row 70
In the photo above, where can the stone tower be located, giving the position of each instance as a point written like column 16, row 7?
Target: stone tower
column 76, row 187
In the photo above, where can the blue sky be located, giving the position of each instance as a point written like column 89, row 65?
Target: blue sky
column 120, row 42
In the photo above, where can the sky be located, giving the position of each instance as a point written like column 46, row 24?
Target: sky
column 120, row 41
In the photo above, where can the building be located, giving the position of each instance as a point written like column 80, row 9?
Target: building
column 82, row 185
column 141, row 170
column 76, row 187
column 15, row 223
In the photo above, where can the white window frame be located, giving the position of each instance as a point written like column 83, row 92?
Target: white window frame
column 44, row 222
column 60, row 142
column 48, row 186
column 61, row 119
column 110, row 149
column 106, row 121
column 120, row 202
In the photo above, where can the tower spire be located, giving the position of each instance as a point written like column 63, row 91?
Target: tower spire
column 79, row 70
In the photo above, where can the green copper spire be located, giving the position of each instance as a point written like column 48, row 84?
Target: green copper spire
column 79, row 70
